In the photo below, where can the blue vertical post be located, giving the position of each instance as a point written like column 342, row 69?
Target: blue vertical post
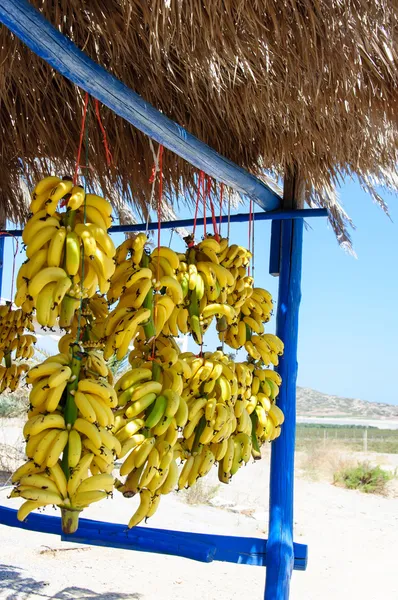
column 1, row 261
column 280, row 555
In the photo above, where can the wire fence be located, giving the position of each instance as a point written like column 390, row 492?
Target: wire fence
column 362, row 439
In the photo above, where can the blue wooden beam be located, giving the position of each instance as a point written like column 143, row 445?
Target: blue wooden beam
column 196, row 546
column 275, row 248
column 280, row 548
column 1, row 261
column 47, row 42
column 276, row 215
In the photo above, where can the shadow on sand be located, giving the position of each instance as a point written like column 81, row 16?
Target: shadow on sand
column 15, row 585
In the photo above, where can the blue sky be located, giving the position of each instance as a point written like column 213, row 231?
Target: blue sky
column 349, row 311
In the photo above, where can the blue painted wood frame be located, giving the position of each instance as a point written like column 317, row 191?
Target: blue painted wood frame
column 280, row 551
column 275, row 248
column 196, row 546
column 276, row 215
column 1, row 261
column 47, row 42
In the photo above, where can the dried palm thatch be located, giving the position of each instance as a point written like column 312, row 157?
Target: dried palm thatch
column 266, row 83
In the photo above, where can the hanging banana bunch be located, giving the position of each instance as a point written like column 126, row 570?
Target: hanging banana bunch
column 171, row 416
column 16, row 346
column 148, row 291
column 69, row 253
column 69, row 441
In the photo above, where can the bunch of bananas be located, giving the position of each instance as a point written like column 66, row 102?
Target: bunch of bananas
column 218, row 420
column 231, row 413
column 10, row 376
column 201, row 410
column 89, row 324
column 148, row 291
column 184, row 293
column 69, row 441
column 151, row 413
column 171, row 416
column 16, row 344
column 69, row 254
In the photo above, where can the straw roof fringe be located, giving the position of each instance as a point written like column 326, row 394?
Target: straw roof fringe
column 265, row 83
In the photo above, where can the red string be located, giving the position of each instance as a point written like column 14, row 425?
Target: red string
column 221, row 199
column 160, row 194
column 160, row 159
column 202, row 175
column 213, row 214
column 250, row 230
column 79, row 150
column 196, row 208
column 108, row 154
column 153, row 174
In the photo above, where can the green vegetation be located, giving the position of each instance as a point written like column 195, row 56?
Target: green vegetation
column 349, row 436
column 363, row 477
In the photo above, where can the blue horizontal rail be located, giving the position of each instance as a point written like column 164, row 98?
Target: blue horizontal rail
column 58, row 51
column 276, row 215
column 196, row 546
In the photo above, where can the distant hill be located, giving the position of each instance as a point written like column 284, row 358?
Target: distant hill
column 311, row 403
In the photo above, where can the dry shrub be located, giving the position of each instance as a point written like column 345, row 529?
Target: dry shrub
column 10, row 458
column 319, row 463
column 199, row 493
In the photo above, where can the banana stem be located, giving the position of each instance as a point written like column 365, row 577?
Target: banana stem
column 156, row 371
column 199, row 430
column 7, row 359
column 70, row 410
column 69, row 218
column 149, row 328
column 193, row 310
column 256, row 453
column 70, row 519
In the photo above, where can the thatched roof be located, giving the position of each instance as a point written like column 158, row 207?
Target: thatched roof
column 265, row 83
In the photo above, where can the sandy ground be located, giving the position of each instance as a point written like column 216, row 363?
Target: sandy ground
column 351, row 538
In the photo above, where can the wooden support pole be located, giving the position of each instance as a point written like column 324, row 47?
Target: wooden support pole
column 280, row 539
column 2, row 238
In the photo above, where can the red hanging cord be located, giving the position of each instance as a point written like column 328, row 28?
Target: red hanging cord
column 79, row 150
column 160, row 194
column 204, row 202
column 196, row 208
column 213, row 213
column 250, row 230
column 221, row 199
column 108, row 154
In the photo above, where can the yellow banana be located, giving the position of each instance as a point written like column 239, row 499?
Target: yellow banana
column 43, row 277
column 37, row 424
column 74, row 448
column 57, row 448
column 58, row 476
column 143, row 509
column 79, row 473
column 41, row 239
column 83, row 499
column 76, row 197
column 102, row 482
column 56, row 247
column 89, row 430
